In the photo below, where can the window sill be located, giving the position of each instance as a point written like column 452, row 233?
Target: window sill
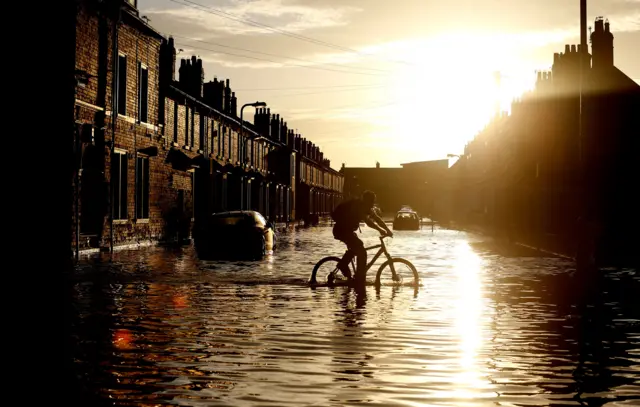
column 148, row 126
column 120, row 221
column 146, row 220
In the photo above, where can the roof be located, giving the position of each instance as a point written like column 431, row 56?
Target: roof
column 444, row 161
column 131, row 17
column 611, row 80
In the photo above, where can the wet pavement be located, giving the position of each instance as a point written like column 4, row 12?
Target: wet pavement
column 488, row 326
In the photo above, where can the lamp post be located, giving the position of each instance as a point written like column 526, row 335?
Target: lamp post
column 244, row 142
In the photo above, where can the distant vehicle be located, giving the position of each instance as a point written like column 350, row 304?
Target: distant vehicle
column 235, row 234
column 406, row 220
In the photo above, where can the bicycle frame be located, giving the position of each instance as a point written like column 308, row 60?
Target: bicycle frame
column 383, row 250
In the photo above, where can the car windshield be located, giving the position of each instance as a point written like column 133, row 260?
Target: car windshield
column 232, row 219
column 260, row 220
column 406, row 215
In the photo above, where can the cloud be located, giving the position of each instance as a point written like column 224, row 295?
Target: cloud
column 280, row 14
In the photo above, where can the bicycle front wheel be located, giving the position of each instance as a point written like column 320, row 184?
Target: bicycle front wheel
column 397, row 271
column 326, row 271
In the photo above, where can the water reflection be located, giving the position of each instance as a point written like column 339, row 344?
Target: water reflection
column 468, row 319
column 158, row 326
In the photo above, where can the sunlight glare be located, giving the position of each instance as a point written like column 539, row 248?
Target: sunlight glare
column 468, row 319
column 450, row 91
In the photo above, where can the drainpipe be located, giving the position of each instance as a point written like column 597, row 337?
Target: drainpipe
column 77, row 188
column 135, row 139
column 114, row 111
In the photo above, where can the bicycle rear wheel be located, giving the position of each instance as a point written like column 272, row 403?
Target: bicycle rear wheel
column 405, row 273
column 326, row 271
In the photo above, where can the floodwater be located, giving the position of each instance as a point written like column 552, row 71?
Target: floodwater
column 488, row 326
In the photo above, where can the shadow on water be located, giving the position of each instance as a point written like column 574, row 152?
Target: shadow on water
column 589, row 333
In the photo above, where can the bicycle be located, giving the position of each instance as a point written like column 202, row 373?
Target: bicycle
column 334, row 264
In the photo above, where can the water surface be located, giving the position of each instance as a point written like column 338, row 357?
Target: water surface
column 488, row 326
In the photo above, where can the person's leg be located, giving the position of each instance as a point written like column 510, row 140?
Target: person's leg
column 357, row 247
column 343, row 236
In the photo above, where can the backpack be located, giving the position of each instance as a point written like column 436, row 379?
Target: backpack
column 343, row 213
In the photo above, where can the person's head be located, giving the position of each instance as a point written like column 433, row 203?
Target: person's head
column 369, row 198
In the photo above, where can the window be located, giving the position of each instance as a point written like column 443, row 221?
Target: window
column 193, row 129
column 193, row 194
column 223, row 141
column 175, row 122
column 203, row 131
column 142, row 188
column 214, row 135
column 134, row 3
column 121, row 79
column 186, row 126
column 119, row 182
column 143, row 93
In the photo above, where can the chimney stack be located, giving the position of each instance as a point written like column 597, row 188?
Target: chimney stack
column 183, row 74
column 227, row 98
column 234, row 105
column 602, row 45
column 167, row 62
column 213, row 93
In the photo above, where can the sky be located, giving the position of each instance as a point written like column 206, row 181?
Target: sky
column 385, row 81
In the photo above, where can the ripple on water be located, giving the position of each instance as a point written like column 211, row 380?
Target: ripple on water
column 488, row 326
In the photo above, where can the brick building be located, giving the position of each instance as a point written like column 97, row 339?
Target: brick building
column 319, row 187
column 545, row 170
column 417, row 184
column 154, row 154
column 118, row 127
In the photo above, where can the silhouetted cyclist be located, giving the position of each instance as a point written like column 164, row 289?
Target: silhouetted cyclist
column 347, row 216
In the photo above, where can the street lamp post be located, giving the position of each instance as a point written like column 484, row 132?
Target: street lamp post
column 243, row 144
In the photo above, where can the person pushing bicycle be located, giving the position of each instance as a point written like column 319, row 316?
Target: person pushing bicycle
column 347, row 217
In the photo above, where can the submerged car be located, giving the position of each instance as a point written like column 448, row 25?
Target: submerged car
column 235, row 234
column 406, row 220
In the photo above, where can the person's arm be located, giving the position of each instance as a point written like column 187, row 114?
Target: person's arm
column 378, row 224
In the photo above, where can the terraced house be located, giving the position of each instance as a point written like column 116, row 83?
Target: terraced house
column 156, row 153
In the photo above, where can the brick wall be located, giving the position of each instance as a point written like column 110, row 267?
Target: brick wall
column 130, row 136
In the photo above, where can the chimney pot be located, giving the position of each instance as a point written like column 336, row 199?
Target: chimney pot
column 573, row 48
column 567, row 48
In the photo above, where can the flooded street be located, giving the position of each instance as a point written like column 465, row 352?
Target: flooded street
column 158, row 326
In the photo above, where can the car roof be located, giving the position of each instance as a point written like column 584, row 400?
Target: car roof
column 234, row 213
column 408, row 212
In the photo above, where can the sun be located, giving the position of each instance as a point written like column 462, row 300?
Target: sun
column 447, row 93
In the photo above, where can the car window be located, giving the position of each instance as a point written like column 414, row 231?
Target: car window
column 231, row 220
